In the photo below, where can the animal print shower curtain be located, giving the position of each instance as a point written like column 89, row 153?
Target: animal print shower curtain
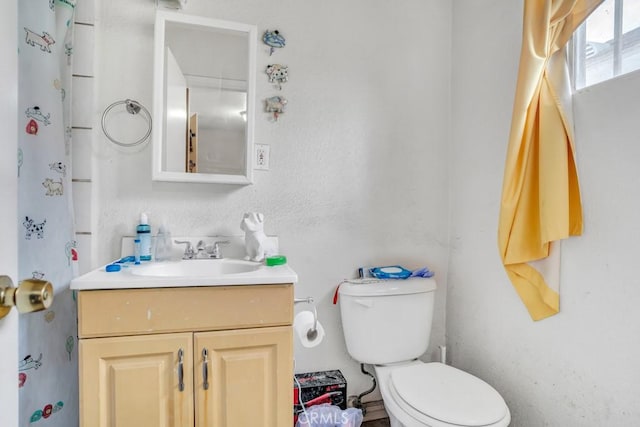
column 48, row 370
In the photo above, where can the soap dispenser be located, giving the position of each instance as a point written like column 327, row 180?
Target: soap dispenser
column 144, row 234
column 163, row 247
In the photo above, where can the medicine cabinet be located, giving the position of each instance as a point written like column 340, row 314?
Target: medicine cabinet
column 204, row 99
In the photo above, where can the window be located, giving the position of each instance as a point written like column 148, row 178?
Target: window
column 607, row 44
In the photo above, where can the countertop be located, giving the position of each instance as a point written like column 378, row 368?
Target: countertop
column 125, row 279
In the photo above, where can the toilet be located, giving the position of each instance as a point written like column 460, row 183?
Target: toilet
column 388, row 324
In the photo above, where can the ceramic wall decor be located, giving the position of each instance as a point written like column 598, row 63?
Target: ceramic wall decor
column 278, row 74
column 275, row 105
column 274, row 40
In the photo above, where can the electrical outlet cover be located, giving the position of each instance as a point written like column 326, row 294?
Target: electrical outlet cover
column 261, row 160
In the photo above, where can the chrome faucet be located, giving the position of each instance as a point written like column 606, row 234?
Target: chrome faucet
column 202, row 250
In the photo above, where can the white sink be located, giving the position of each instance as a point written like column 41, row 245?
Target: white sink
column 200, row 272
column 196, row 268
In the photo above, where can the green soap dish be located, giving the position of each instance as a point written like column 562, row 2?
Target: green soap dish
column 276, row 260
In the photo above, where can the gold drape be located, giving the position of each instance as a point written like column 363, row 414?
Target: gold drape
column 540, row 194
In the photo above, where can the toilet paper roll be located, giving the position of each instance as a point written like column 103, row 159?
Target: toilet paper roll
column 302, row 324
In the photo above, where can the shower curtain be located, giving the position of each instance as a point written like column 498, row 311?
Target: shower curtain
column 48, row 370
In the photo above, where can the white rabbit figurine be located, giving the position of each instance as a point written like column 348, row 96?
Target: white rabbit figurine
column 256, row 243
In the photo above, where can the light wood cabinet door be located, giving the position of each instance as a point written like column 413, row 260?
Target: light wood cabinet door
column 134, row 381
column 249, row 375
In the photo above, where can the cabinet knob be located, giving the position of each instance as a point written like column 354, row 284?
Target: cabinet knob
column 30, row 295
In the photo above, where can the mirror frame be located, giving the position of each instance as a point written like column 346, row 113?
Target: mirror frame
column 162, row 17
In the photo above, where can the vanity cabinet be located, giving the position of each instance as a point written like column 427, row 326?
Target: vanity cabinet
column 181, row 357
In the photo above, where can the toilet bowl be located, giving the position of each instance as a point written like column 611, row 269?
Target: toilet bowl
column 418, row 394
column 388, row 324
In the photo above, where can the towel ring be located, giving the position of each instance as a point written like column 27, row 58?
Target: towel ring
column 133, row 107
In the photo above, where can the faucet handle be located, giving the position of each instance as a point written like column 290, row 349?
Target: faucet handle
column 188, row 250
column 214, row 249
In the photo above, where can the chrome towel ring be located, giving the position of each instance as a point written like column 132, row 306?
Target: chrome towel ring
column 132, row 107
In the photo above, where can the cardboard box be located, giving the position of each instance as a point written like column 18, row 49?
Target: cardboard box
column 320, row 387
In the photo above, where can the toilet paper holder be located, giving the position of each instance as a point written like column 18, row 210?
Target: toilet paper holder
column 313, row 332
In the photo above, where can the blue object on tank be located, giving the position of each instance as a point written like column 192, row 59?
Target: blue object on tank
column 422, row 272
column 390, row 272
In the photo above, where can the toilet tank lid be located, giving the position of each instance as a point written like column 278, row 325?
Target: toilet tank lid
column 378, row 287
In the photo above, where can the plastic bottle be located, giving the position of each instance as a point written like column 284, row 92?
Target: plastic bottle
column 136, row 251
column 144, row 234
column 163, row 244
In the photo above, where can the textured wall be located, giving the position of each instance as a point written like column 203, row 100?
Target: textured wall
column 578, row 368
column 358, row 172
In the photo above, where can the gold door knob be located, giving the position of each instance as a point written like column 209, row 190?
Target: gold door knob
column 30, row 295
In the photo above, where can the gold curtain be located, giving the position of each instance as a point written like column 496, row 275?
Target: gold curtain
column 540, row 194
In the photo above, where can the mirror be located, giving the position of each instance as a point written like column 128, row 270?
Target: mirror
column 204, row 91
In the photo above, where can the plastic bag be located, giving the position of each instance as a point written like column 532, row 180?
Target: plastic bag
column 327, row 415
column 390, row 272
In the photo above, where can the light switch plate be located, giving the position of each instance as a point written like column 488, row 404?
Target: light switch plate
column 261, row 160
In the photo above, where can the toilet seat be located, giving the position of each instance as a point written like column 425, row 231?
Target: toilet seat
column 438, row 394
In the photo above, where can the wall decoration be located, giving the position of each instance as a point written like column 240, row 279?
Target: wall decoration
column 274, row 40
column 278, row 74
column 275, row 105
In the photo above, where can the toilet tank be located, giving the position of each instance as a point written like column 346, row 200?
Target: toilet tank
column 387, row 321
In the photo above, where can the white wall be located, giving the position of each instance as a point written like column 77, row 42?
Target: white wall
column 357, row 173
column 580, row 367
